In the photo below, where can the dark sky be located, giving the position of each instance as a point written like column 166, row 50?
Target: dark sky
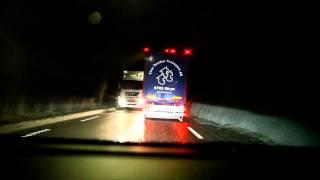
column 252, row 55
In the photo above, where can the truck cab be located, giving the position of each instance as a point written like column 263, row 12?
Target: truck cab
column 131, row 90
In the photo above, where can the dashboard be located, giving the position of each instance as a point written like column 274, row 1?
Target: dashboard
column 48, row 158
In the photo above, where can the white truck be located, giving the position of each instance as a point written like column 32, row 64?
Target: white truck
column 131, row 90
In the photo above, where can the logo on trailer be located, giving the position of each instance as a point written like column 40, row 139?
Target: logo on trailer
column 165, row 76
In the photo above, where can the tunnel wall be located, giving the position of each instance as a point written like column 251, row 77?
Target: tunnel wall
column 268, row 128
column 27, row 108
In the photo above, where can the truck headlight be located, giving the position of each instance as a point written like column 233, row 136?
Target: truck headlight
column 120, row 101
column 141, row 101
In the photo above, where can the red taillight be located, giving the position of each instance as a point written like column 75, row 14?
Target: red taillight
column 187, row 52
column 170, row 51
column 146, row 49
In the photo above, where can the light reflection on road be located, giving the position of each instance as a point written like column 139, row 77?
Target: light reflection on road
column 166, row 131
column 131, row 126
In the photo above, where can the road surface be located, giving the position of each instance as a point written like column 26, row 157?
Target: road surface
column 127, row 126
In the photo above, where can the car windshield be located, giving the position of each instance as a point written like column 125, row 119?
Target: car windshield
column 132, row 85
column 208, row 72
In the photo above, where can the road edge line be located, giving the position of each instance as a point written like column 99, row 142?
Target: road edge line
column 10, row 128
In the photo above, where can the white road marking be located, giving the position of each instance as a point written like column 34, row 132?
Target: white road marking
column 180, row 119
column 84, row 120
column 36, row 133
column 195, row 133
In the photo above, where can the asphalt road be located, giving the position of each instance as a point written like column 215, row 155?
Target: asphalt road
column 126, row 126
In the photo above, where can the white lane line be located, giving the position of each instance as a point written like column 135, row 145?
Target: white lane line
column 36, row 133
column 195, row 133
column 84, row 120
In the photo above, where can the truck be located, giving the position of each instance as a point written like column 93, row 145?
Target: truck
column 165, row 85
column 131, row 90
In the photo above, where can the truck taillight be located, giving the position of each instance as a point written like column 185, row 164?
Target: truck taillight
column 187, row 52
column 170, row 50
column 146, row 49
